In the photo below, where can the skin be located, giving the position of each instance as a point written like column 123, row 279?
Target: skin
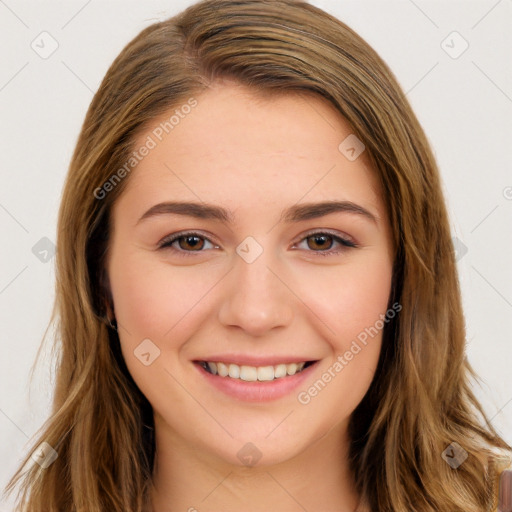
column 254, row 156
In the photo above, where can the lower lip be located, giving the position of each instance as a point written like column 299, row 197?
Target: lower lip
column 257, row 391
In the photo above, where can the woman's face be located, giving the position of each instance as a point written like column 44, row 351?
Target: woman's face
column 262, row 277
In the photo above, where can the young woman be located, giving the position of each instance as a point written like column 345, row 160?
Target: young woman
column 257, row 296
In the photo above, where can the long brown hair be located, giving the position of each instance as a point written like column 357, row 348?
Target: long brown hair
column 420, row 401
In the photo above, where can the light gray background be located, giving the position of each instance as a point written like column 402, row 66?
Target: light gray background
column 463, row 103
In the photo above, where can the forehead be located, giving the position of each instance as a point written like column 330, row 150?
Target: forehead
column 243, row 148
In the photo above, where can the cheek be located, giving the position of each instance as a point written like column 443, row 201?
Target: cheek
column 352, row 305
column 350, row 298
column 164, row 305
column 149, row 299
column 158, row 303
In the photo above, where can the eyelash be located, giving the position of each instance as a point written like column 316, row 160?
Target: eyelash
column 346, row 244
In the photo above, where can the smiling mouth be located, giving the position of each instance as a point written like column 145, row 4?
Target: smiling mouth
column 254, row 373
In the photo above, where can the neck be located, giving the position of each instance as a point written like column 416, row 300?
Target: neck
column 317, row 479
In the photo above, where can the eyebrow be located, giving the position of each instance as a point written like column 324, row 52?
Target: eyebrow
column 295, row 213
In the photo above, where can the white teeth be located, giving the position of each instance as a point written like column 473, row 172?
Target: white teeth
column 222, row 370
column 253, row 373
column 266, row 373
column 248, row 373
column 291, row 368
column 234, row 371
column 279, row 371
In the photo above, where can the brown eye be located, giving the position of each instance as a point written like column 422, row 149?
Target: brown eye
column 183, row 243
column 320, row 241
column 325, row 244
column 191, row 242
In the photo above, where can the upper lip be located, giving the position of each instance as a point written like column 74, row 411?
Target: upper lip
column 248, row 360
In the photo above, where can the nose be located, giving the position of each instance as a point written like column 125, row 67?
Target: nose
column 256, row 298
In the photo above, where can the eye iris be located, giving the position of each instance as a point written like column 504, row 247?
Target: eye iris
column 320, row 240
column 191, row 241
